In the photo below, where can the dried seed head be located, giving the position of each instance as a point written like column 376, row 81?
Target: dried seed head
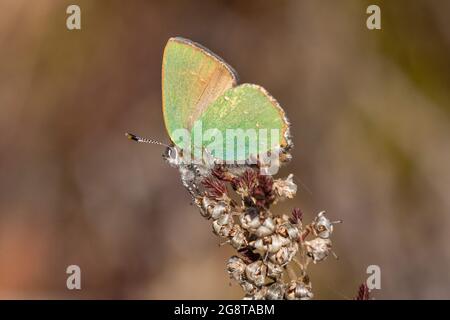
column 250, row 219
column 225, row 219
column 222, row 228
column 236, row 268
column 218, row 210
column 285, row 189
column 263, row 193
column 249, row 288
column 274, row 270
column 297, row 216
column 363, row 292
column 284, row 255
column 266, row 183
column 215, row 188
column 293, row 232
column 270, row 244
column 288, row 230
column 221, row 173
column 267, row 228
column 297, row 290
column 322, row 226
column 256, row 273
column 246, row 183
column 275, row 291
column 238, row 237
column 259, row 245
column 206, row 205
column 266, row 242
column 318, row 249
column 248, row 255
column 260, row 294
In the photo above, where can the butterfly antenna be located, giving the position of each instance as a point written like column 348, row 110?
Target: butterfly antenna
column 144, row 140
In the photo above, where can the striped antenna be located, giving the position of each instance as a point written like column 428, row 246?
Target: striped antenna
column 144, row 140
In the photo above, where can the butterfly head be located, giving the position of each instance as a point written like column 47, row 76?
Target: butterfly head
column 173, row 156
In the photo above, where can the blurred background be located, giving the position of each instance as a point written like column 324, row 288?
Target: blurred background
column 370, row 119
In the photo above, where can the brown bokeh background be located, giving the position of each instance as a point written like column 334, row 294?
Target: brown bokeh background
column 370, row 118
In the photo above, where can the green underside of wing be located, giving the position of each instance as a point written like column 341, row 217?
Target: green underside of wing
column 181, row 86
column 245, row 121
column 202, row 110
column 188, row 77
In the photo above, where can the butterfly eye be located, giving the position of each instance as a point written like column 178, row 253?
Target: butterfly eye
column 170, row 153
column 171, row 156
column 166, row 154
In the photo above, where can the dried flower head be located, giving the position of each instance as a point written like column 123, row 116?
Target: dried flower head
column 363, row 292
column 270, row 247
column 285, row 189
column 297, row 216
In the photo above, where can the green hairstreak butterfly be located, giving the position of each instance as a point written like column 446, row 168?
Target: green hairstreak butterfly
column 200, row 89
column 201, row 96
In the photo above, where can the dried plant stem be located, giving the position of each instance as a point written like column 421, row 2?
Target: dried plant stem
column 273, row 251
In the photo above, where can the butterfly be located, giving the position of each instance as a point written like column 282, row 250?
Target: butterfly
column 201, row 96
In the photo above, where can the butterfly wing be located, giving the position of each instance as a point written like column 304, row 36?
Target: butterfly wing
column 192, row 78
column 247, row 106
